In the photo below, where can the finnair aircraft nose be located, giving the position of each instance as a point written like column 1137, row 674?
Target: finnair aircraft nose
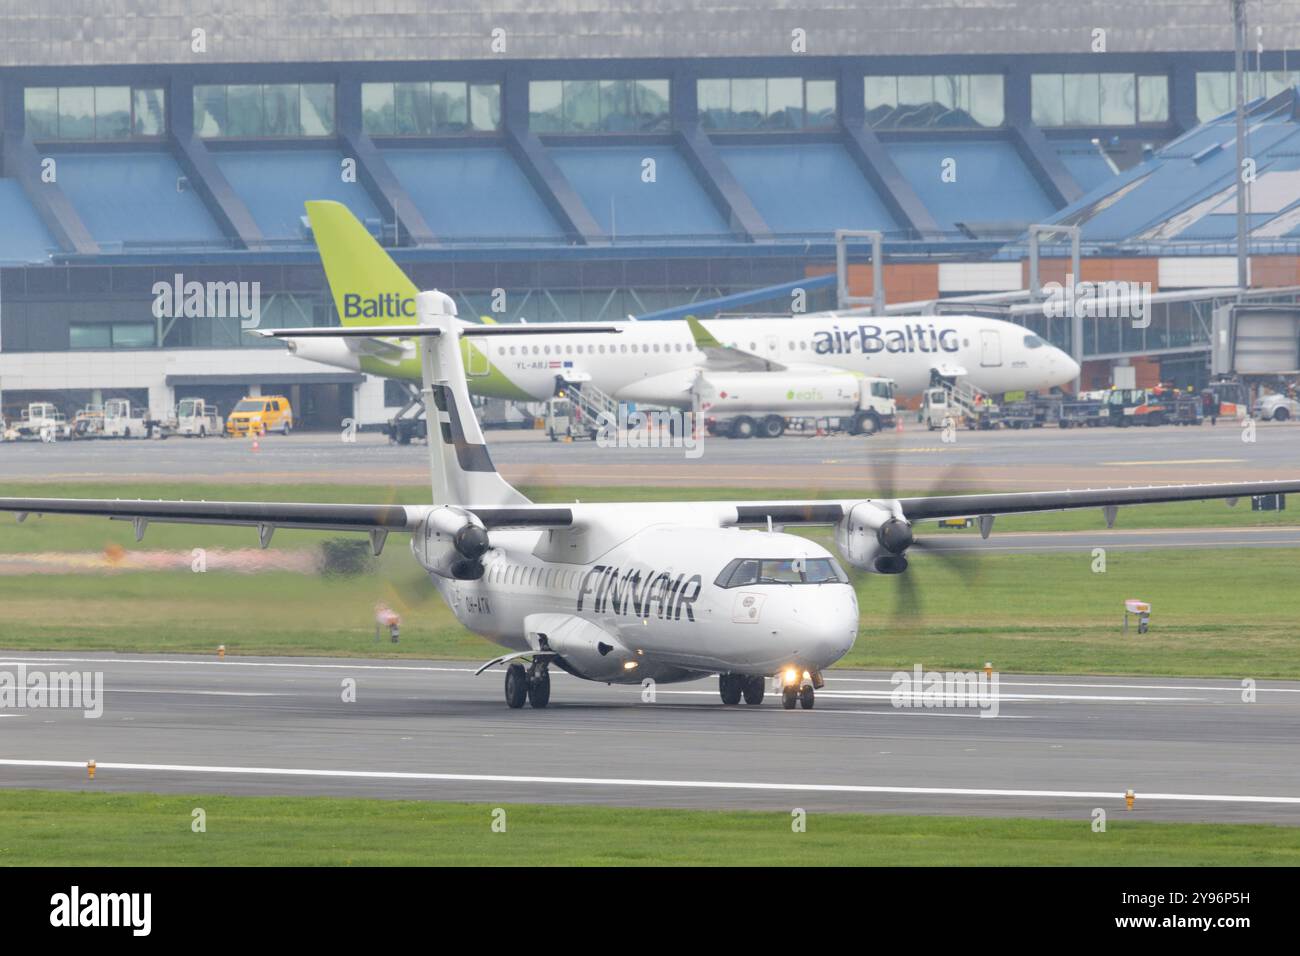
column 822, row 630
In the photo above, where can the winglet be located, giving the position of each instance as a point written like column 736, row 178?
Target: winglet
column 703, row 337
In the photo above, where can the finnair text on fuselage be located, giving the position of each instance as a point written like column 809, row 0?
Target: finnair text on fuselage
column 628, row 591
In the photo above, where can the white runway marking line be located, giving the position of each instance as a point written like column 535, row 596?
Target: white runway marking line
column 423, row 668
column 886, row 695
column 635, row 782
column 196, row 693
column 1233, row 688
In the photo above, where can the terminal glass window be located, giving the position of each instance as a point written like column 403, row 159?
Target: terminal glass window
column 423, row 108
column 923, row 101
column 1153, row 99
column 766, row 103
column 1216, row 92
column 93, row 112
column 1098, row 99
column 598, row 106
column 264, row 110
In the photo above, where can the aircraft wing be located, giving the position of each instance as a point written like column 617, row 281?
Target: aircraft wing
column 276, row 514
column 727, row 358
column 814, row 512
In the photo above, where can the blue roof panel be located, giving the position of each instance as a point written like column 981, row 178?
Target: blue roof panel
column 24, row 237
column 992, row 184
column 275, row 184
column 1086, row 163
column 610, row 181
column 472, row 193
column 134, row 197
column 809, row 188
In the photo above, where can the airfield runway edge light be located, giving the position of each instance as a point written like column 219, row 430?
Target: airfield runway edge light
column 90, row 769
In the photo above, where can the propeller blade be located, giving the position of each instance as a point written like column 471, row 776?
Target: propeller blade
column 406, row 593
column 907, row 601
column 965, row 565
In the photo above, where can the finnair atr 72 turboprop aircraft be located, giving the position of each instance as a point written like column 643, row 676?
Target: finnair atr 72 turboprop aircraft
column 658, row 362
column 621, row 592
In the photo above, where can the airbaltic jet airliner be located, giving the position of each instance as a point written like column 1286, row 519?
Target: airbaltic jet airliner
column 658, row 362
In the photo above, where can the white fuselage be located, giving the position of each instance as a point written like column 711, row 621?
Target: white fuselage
column 652, row 600
column 657, row 362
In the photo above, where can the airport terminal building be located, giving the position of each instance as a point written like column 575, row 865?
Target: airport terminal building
column 577, row 165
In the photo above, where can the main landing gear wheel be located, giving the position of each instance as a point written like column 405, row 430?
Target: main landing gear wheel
column 753, row 689
column 729, row 687
column 806, row 697
column 539, row 684
column 789, row 697
column 516, row 686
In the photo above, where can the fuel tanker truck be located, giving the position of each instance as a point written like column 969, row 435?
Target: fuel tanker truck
column 764, row 404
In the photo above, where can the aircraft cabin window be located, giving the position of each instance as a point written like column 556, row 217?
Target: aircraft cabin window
column 747, row 572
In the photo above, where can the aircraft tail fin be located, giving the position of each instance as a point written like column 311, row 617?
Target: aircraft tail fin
column 369, row 288
column 461, row 468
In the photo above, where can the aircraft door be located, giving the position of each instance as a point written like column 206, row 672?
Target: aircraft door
column 990, row 348
column 476, row 357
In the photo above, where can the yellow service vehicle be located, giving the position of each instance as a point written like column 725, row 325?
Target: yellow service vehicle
column 259, row 414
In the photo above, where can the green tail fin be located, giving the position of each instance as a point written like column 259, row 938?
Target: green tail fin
column 369, row 288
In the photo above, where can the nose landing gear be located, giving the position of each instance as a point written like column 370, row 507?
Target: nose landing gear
column 799, row 689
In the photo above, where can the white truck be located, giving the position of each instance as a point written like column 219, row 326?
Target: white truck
column 745, row 404
column 960, row 405
column 122, row 421
column 40, row 420
column 196, row 418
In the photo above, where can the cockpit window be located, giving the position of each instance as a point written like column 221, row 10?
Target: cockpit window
column 746, row 572
column 1033, row 342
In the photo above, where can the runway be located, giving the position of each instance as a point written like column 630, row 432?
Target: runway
column 1191, row 749
column 997, row 460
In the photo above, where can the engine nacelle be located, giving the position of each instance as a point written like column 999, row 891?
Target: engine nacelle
column 451, row 543
column 873, row 538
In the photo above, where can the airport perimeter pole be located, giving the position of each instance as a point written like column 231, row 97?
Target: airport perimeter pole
column 1239, row 42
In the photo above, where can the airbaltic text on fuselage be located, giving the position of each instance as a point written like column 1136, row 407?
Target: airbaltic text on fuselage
column 872, row 338
column 386, row 305
column 641, row 594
